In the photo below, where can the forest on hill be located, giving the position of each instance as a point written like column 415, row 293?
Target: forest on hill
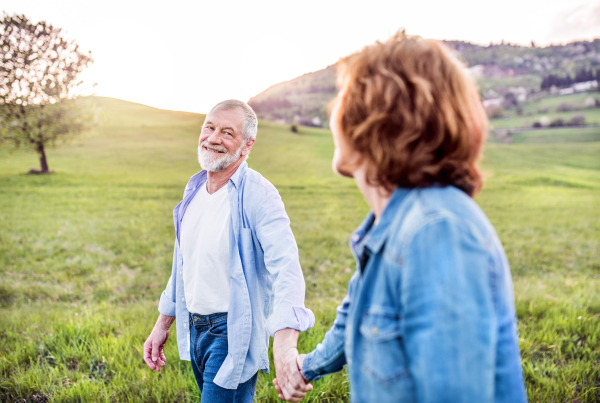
column 503, row 70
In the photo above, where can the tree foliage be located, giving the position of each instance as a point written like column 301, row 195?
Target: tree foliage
column 582, row 75
column 39, row 86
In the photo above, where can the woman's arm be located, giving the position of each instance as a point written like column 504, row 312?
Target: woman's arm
column 329, row 356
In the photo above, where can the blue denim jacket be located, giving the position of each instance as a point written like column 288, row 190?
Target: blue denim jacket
column 267, row 285
column 429, row 315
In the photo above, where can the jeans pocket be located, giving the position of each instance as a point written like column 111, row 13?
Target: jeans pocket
column 219, row 329
column 383, row 357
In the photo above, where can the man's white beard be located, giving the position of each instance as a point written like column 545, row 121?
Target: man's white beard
column 215, row 163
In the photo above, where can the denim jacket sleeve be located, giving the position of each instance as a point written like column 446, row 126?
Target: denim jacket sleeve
column 166, row 306
column 329, row 355
column 282, row 261
column 445, row 290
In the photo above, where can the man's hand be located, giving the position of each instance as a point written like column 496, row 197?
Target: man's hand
column 154, row 354
column 290, row 383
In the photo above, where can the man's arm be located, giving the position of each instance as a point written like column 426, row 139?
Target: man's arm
column 154, row 354
column 154, row 346
column 290, row 316
column 272, row 227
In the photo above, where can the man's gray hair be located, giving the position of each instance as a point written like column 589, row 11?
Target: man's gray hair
column 250, row 123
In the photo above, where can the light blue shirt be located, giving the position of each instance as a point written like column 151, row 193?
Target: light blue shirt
column 266, row 281
column 429, row 316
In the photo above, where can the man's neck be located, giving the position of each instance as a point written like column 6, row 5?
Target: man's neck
column 216, row 180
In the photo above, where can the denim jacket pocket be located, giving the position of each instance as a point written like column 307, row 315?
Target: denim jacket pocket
column 383, row 357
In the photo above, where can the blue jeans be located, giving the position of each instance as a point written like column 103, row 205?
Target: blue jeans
column 208, row 350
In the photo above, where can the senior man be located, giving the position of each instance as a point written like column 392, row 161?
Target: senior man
column 236, row 277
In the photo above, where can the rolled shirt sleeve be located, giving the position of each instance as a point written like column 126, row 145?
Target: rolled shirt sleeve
column 281, row 260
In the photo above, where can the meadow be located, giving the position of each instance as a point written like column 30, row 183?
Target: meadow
column 86, row 252
column 551, row 107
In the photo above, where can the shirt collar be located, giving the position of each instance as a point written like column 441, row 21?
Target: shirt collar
column 374, row 236
column 200, row 178
column 236, row 178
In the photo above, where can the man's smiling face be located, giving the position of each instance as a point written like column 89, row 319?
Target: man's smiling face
column 221, row 141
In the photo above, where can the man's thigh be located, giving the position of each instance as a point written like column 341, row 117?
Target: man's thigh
column 244, row 393
column 209, row 350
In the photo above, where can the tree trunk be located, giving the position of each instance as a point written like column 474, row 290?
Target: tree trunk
column 43, row 161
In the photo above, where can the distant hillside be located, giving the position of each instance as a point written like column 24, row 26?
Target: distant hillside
column 500, row 69
column 301, row 100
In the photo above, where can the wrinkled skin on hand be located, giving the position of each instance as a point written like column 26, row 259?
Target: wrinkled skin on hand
column 289, row 383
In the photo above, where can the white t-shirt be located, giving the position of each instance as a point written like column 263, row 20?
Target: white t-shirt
column 205, row 249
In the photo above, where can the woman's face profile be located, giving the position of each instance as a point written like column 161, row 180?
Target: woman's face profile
column 345, row 159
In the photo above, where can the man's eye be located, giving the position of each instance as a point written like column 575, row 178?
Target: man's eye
column 229, row 133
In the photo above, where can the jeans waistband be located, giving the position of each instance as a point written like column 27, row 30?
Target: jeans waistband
column 211, row 319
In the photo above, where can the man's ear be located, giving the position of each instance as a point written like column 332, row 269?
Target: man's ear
column 248, row 147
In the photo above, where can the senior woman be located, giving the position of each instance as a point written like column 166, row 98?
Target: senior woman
column 429, row 315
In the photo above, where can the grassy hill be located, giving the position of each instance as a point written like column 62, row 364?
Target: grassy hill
column 301, row 100
column 86, row 252
column 501, row 69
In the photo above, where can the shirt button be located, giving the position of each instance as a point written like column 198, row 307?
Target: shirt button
column 375, row 331
column 349, row 361
column 246, row 320
column 185, row 325
column 183, row 299
column 355, row 237
column 180, row 272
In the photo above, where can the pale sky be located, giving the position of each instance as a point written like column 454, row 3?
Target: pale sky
column 189, row 55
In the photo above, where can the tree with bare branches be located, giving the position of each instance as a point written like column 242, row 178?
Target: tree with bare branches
column 40, row 89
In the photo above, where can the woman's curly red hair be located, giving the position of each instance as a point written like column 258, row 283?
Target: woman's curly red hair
column 409, row 108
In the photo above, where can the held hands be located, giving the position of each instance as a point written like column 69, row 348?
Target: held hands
column 290, row 384
column 297, row 386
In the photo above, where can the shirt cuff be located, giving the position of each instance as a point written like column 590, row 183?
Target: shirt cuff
column 290, row 317
column 166, row 306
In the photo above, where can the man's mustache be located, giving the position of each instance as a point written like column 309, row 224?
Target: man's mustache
column 206, row 144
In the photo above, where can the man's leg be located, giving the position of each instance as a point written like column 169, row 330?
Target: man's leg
column 208, row 351
column 245, row 391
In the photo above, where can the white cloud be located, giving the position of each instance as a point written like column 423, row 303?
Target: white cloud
column 580, row 22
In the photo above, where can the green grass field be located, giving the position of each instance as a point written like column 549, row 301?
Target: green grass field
column 86, row 252
column 547, row 106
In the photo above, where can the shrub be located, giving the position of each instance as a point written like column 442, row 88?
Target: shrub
column 565, row 107
column 577, row 120
column 294, row 128
column 519, row 110
column 557, row 123
column 537, row 124
column 494, row 112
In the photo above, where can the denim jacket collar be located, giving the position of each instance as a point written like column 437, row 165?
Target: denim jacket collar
column 374, row 236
